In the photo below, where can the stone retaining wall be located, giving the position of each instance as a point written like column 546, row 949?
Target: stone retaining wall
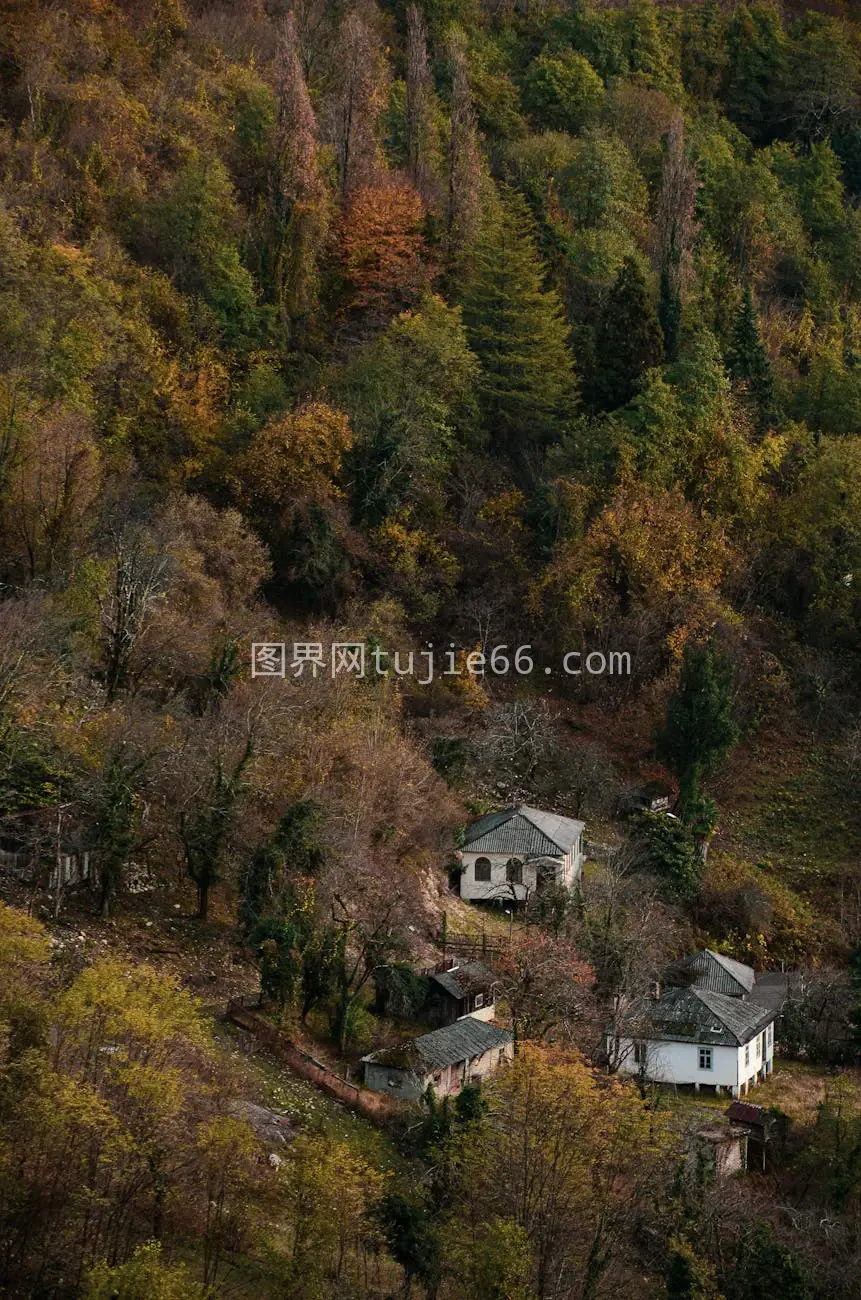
column 373, row 1105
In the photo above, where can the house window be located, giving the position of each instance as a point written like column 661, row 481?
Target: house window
column 759, row 1048
column 705, row 1058
column 482, row 868
column 514, row 871
column 747, row 1054
column 640, row 1050
column 479, row 1001
column 770, row 1032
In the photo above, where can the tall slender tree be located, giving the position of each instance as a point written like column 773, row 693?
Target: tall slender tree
column 749, row 362
column 298, row 190
column 699, row 729
column 115, row 812
column 628, row 340
column 419, row 102
column 360, row 97
column 517, row 329
column 464, row 159
column 676, row 228
column 205, row 833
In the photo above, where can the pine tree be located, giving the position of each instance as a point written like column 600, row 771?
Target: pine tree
column 699, row 730
column 756, row 50
column 628, row 340
column 517, row 330
column 749, row 362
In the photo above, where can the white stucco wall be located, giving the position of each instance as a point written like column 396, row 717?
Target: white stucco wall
column 481, row 1013
column 679, row 1062
column 498, row 887
column 761, row 1059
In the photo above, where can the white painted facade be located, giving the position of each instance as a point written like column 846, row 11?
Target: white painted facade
column 733, row 1069
column 500, row 888
column 486, row 1012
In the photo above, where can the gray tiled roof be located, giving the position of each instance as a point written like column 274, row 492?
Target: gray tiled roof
column 697, row 1015
column 462, row 1041
column 472, row 976
column 527, row 832
column 711, row 970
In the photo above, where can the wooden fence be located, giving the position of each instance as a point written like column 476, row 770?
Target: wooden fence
column 470, row 947
column 375, row 1106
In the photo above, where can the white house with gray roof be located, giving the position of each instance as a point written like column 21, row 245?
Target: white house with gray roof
column 509, row 855
column 695, row 1036
column 446, row 1059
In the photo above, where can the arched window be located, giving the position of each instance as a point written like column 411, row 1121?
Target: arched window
column 514, row 871
column 482, row 868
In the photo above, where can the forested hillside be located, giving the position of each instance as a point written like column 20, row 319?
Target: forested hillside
column 520, row 339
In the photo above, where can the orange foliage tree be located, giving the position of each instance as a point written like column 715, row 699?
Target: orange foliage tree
column 382, row 250
column 543, row 981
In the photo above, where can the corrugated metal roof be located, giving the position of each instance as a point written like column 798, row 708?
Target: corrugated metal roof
column 711, row 970
column 700, row 1016
column 745, row 1112
column 462, row 1041
column 524, row 831
column 471, row 977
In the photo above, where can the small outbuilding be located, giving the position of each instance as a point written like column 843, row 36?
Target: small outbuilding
column 757, row 1123
column 653, row 797
column 720, row 1148
column 446, row 1059
column 467, row 990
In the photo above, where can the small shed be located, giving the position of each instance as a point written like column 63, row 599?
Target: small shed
column 653, row 797
column 446, row 1059
column 466, row 990
column 43, row 868
column 757, row 1123
column 721, row 1148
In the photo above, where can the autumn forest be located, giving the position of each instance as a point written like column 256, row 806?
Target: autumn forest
column 522, row 339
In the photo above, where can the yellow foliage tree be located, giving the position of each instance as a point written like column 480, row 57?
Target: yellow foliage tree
column 568, row 1159
column 296, row 456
